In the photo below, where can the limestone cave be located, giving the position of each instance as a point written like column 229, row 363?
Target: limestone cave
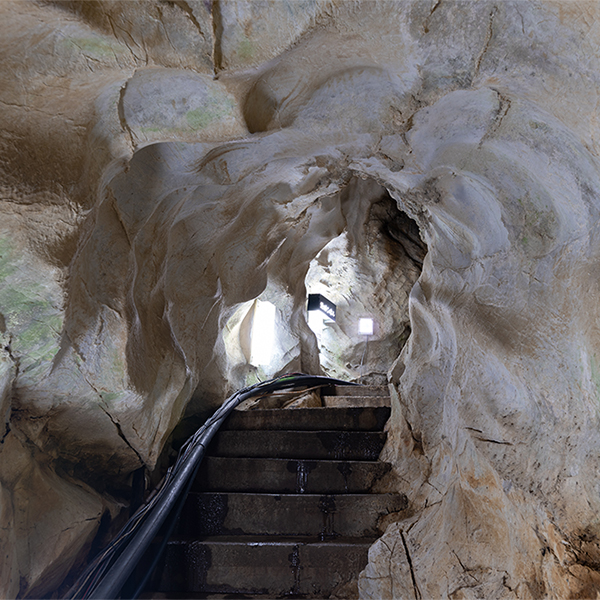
column 177, row 177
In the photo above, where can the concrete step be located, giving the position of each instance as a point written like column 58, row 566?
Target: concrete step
column 326, row 516
column 356, row 401
column 281, row 506
column 149, row 595
column 207, row 596
column 308, row 445
column 262, row 565
column 277, row 475
column 310, row 419
column 361, row 390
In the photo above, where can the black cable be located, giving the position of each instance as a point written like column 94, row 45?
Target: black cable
column 104, row 578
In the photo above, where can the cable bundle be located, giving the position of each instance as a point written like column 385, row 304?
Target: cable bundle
column 105, row 576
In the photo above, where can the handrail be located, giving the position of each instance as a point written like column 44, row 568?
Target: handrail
column 106, row 575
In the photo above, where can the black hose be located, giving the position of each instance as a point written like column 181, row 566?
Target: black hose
column 107, row 574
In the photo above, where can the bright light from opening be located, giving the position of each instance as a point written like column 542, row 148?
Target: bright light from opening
column 263, row 334
column 365, row 326
column 316, row 322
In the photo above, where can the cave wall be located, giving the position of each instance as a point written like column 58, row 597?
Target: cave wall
column 164, row 164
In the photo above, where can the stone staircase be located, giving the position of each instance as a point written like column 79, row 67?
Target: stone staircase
column 282, row 506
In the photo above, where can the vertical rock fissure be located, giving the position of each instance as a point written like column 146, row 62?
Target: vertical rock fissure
column 6, row 432
column 488, row 39
column 122, row 435
column 434, row 8
column 187, row 9
column 217, row 23
column 410, row 566
column 16, row 360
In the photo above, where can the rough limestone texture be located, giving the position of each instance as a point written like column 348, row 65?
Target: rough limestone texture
column 167, row 168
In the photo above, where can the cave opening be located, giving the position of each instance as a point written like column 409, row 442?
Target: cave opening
column 367, row 271
column 366, row 263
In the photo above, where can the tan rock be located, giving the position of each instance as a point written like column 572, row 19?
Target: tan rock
column 49, row 521
column 141, row 224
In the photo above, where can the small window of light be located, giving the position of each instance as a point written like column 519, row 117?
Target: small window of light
column 316, row 322
column 263, row 334
column 365, row 326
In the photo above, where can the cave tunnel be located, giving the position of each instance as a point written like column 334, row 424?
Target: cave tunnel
column 366, row 268
column 180, row 176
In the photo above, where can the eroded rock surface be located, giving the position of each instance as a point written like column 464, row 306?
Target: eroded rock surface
column 169, row 166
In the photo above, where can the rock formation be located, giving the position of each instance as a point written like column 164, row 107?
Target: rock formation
column 166, row 166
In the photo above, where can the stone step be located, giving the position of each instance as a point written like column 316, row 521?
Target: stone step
column 308, row 445
column 360, row 390
column 148, row 595
column 262, row 565
column 310, row 419
column 348, row 515
column 280, row 475
column 356, row 401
